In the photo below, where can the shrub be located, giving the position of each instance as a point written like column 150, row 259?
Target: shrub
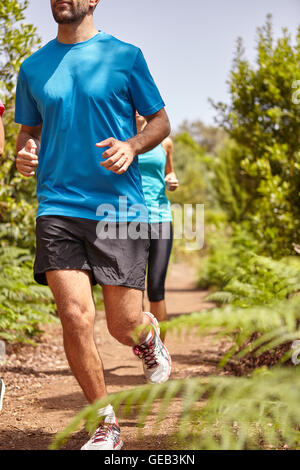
column 24, row 305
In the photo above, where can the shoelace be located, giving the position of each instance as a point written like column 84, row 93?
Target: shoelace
column 146, row 352
column 102, row 432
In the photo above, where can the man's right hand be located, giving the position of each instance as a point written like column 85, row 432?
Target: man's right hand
column 27, row 159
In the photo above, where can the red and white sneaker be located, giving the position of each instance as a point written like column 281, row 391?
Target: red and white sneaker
column 156, row 359
column 106, row 437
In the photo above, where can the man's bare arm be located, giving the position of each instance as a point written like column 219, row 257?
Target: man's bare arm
column 157, row 129
column 120, row 155
column 28, row 148
column 26, row 133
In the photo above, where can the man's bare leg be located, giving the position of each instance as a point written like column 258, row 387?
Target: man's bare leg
column 123, row 307
column 124, row 314
column 72, row 292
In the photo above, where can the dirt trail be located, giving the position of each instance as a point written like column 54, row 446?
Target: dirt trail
column 42, row 396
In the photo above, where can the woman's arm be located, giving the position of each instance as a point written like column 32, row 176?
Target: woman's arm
column 170, row 175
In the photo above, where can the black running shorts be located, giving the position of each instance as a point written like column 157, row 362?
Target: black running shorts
column 64, row 243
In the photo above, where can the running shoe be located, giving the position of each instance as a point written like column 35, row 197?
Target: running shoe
column 156, row 359
column 2, row 391
column 106, row 437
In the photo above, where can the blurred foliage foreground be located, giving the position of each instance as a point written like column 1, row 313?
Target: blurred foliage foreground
column 247, row 173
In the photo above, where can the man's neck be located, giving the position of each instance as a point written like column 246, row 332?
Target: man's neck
column 77, row 32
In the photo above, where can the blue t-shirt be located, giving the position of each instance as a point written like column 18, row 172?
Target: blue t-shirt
column 152, row 166
column 84, row 93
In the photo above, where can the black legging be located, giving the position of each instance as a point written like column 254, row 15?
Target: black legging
column 159, row 254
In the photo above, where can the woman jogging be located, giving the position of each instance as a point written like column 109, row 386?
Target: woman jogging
column 158, row 173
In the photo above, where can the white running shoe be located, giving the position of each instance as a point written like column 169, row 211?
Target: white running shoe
column 2, row 392
column 106, row 437
column 156, row 359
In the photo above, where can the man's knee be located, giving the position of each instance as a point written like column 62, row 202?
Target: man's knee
column 124, row 330
column 77, row 316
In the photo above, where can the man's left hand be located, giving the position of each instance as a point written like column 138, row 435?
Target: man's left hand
column 118, row 157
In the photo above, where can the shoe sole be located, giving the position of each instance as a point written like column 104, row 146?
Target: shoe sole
column 2, row 392
column 119, row 445
column 157, row 330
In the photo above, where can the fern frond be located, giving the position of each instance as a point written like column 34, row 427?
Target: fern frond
column 236, row 413
column 221, row 297
column 275, row 324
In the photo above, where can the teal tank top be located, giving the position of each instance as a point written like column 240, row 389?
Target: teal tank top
column 152, row 167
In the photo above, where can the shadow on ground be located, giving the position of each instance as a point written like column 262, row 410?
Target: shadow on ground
column 36, row 373
column 16, row 439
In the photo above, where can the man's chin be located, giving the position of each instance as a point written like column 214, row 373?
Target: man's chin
column 63, row 19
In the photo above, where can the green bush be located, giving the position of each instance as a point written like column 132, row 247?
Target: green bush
column 188, row 164
column 17, row 194
column 257, row 175
column 228, row 247
column 24, row 305
column 260, row 281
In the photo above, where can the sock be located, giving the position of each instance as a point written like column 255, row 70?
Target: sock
column 108, row 413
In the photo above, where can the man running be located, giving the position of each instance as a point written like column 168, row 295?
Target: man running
column 2, row 109
column 82, row 89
